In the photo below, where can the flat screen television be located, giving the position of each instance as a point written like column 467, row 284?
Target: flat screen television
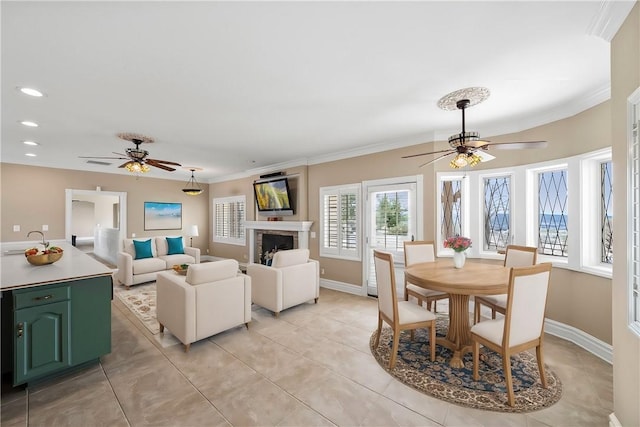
column 273, row 197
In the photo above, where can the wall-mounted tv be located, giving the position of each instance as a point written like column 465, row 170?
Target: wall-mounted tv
column 273, row 197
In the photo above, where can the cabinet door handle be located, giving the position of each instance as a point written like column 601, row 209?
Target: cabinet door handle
column 46, row 297
column 20, row 329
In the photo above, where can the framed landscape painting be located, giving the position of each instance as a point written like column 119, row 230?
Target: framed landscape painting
column 162, row 216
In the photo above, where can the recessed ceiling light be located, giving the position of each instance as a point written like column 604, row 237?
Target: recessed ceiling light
column 29, row 123
column 31, row 91
column 30, row 143
column 30, row 154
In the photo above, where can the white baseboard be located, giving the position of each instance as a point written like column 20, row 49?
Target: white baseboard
column 342, row 287
column 592, row 344
column 613, row 421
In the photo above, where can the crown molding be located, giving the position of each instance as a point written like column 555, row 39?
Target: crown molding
column 611, row 14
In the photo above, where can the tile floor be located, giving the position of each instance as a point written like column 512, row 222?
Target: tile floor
column 309, row 367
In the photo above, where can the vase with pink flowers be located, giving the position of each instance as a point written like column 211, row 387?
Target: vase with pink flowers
column 459, row 244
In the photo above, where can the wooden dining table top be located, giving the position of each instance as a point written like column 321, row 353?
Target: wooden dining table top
column 474, row 278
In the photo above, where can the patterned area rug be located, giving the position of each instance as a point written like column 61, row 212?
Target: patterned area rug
column 437, row 379
column 141, row 300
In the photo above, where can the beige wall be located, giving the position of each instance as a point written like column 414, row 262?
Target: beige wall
column 33, row 196
column 576, row 299
column 625, row 79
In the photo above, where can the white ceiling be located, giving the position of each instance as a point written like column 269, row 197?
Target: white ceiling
column 243, row 87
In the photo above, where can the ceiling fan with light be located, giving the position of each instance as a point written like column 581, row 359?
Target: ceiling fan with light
column 468, row 148
column 136, row 158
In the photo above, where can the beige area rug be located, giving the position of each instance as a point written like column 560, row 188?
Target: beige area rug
column 141, row 300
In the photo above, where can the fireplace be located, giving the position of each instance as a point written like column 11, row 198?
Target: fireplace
column 298, row 231
column 270, row 243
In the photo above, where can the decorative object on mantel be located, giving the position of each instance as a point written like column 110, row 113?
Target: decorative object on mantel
column 456, row 385
column 192, row 188
column 274, row 218
column 459, row 245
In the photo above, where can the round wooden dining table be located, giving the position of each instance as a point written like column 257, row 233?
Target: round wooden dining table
column 473, row 278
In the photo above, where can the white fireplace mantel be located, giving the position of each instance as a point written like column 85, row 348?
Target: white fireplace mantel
column 302, row 227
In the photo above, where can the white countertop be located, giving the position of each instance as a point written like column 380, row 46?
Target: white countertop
column 16, row 272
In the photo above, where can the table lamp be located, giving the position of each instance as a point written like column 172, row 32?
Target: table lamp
column 193, row 232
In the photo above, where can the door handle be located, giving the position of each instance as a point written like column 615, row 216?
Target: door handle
column 20, row 329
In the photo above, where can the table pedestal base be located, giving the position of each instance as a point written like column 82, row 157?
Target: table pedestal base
column 458, row 337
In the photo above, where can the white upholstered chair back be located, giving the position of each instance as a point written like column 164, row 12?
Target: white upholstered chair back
column 520, row 256
column 527, row 300
column 385, row 280
column 417, row 252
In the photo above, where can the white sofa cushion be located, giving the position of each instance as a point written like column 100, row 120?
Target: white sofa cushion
column 148, row 265
column 212, row 271
column 171, row 260
column 290, row 257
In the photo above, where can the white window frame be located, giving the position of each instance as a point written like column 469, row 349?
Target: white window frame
column 532, row 210
column 591, row 210
column 633, row 209
column 480, row 195
column 339, row 252
column 524, row 206
column 442, row 177
column 231, row 240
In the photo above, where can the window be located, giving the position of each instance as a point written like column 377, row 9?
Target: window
column 340, row 222
column 450, row 209
column 552, row 213
column 497, row 220
column 529, row 205
column 606, row 213
column 228, row 220
column 633, row 224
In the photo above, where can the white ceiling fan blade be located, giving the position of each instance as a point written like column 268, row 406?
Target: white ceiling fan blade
column 517, row 145
column 484, row 156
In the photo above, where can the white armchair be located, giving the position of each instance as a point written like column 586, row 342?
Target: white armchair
column 291, row 279
column 211, row 298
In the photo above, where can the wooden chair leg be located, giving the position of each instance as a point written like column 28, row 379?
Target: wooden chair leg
column 394, row 349
column 493, row 313
column 247, row 325
column 276, row 314
column 476, row 360
column 432, row 338
column 187, row 347
column 476, row 312
column 429, row 304
column 315, row 300
column 377, row 341
column 161, row 327
column 543, row 377
column 411, row 334
column 506, row 366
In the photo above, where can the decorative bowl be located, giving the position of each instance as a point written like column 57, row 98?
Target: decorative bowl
column 44, row 259
column 181, row 268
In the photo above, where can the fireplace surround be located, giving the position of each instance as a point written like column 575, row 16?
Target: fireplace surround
column 298, row 230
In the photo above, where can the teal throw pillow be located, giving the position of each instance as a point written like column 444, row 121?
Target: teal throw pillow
column 143, row 249
column 174, row 245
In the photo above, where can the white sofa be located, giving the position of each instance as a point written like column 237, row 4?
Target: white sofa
column 291, row 279
column 132, row 271
column 212, row 298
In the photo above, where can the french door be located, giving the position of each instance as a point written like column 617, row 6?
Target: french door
column 393, row 214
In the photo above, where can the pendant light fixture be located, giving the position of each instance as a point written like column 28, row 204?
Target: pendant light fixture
column 192, row 188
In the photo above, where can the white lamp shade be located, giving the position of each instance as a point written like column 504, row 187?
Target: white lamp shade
column 193, row 231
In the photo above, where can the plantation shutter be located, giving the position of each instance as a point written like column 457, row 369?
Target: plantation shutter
column 340, row 221
column 229, row 217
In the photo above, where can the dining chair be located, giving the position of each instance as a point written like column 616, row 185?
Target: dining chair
column 515, row 256
column 401, row 315
column 416, row 252
column 522, row 326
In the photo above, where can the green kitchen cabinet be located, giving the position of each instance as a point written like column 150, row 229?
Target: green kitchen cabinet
column 60, row 326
